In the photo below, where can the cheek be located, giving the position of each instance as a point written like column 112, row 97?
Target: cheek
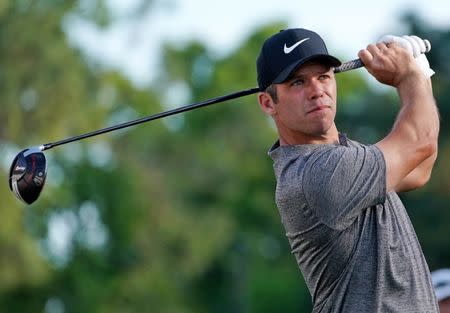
column 292, row 110
column 331, row 91
column 294, row 103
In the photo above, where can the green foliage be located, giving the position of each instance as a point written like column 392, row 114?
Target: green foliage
column 177, row 215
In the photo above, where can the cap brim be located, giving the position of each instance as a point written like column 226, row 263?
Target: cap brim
column 325, row 58
column 442, row 293
column 441, row 283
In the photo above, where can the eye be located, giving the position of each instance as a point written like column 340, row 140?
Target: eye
column 297, row 82
column 324, row 77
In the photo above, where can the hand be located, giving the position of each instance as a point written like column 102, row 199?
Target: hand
column 391, row 64
column 415, row 46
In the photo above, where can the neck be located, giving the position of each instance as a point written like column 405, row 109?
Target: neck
column 298, row 138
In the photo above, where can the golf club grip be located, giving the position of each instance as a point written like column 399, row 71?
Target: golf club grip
column 350, row 65
column 357, row 63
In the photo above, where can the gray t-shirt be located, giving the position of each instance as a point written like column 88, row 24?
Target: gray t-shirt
column 353, row 241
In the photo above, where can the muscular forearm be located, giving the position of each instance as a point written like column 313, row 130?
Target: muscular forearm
column 426, row 129
column 413, row 139
column 418, row 119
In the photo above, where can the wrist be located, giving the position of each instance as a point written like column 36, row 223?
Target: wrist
column 414, row 86
column 411, row 77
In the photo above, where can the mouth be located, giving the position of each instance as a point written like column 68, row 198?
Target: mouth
column 318, row 108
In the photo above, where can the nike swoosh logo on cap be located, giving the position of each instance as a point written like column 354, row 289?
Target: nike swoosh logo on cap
column 288, row 50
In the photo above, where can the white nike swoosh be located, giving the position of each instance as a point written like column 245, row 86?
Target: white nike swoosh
column 288, row 50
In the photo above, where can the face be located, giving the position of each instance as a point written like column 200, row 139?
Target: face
column 306, row 105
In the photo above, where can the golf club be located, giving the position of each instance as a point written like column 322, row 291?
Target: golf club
column 28, row 170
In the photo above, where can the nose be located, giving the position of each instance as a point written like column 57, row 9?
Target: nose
column 315, row 89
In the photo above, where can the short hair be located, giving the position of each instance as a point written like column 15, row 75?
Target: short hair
column 272, row 91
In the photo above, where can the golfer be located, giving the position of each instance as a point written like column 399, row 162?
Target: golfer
column 348, row 230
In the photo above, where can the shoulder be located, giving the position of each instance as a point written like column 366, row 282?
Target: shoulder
column 285, row 157
column 340, row 164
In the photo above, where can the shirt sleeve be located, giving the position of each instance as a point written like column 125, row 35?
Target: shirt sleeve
column 341, row 182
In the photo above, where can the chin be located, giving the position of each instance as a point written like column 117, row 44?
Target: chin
column 323, row 129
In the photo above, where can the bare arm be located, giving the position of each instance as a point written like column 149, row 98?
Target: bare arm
column 418, row 177
column 410, row 146
column 421, row 174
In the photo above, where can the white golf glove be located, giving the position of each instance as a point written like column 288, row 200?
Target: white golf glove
column 415, row 46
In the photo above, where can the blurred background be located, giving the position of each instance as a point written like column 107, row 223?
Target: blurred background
column 178, row 215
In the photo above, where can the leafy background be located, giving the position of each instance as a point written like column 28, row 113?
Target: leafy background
column 177, row 215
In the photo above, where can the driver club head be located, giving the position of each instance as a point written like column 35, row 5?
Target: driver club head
column 27, row 174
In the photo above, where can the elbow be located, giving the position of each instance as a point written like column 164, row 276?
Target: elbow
column 423, row 180
column 434, row 148
column 428, row 147
column 427, row 141
column 422, row 174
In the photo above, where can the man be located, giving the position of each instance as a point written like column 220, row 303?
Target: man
column 349, row 231
column 441, row 284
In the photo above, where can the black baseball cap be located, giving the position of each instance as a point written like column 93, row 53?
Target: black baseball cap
column 285, row 51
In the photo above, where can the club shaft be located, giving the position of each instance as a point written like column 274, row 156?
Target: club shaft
column 186, row 108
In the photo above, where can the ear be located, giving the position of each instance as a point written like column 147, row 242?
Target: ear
column 266, row 103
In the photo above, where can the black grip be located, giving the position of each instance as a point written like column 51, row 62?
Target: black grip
column 350, row 65
column 357, row 63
